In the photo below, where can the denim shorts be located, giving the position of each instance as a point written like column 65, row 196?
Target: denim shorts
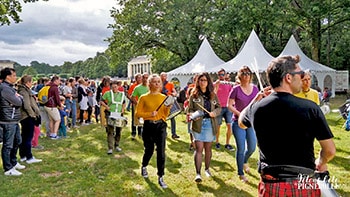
column 206, row 134
column 226, row 114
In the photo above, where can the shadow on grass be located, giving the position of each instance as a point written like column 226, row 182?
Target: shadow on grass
column 232, row 191
column 157, row 190
column 221, row 166
column 343, row 194
column 338, row 161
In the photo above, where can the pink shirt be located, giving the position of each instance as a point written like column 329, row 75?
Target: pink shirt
column 223, row 93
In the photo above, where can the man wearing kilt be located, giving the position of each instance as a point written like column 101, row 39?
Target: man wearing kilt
column 286, row 127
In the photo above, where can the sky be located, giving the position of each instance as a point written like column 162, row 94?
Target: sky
column 56, row 31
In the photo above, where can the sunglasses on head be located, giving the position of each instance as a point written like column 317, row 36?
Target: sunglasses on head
column 301, row 73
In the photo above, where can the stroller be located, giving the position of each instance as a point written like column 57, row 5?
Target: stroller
column 344, row 110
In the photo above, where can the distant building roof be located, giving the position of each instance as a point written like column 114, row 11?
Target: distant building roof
column 6, row 61
column 140, row 59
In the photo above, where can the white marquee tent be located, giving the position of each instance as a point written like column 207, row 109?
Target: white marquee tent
column 324, row 75
column 202, row 61
column 253, row 55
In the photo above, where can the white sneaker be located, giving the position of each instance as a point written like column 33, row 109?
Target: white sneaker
column 198, row 178
column 23, row 159
column 33, row 160
column 207, row 173
column 19, row 166
column 162, row 183
column 13, row 172
column 110, row 151
column 118, row 149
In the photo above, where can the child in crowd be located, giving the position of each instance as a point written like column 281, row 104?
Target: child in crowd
column 35, row 140
column 37, row 132
column 62, row 130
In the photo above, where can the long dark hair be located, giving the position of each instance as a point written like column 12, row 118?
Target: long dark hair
column 210, row 87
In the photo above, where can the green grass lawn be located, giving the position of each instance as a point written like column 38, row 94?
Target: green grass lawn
column 79, row 166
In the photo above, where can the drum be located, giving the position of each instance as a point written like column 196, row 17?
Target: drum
column 174, row 110
column 196, row 114
column 141, row 122
column 117, row 121
column 169, row 100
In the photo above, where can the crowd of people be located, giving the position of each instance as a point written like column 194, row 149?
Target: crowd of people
column 283, row 119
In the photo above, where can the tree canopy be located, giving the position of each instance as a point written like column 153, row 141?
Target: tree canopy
column 10, row 9
column 170, row 30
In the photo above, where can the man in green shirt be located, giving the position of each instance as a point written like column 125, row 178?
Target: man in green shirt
column 139, row 90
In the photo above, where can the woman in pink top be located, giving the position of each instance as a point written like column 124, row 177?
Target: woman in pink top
column 240, row 97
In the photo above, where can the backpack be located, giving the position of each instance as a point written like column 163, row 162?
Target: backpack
column 43, row 95
column 182, row 96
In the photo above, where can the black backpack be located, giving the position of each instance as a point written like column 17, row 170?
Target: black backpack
column 182, row 96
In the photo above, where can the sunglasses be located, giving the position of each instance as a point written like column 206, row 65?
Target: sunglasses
column 301, row 73
column 246, row 73
column 222, row 74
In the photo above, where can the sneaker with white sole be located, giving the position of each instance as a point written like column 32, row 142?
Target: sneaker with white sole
column 23, row 159
column 19, row 166
column 144, row 172
column 198, row 178
column 33, row 160
column 207, row 173
column 55, row 137
column 13, row 172
column 162, row 183
column 118, row 149
column 229, row 147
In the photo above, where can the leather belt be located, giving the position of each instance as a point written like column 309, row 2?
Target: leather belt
column 154, row 121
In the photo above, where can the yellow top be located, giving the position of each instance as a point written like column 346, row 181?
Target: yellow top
column 149, row 103
column 311, row 95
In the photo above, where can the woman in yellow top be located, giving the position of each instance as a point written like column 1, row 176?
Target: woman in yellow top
column 154, row 128
column 307, row 92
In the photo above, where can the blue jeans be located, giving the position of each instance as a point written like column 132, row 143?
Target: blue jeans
column 226, row 114
column 72, row 107
column 242, row 136
column 11, row 140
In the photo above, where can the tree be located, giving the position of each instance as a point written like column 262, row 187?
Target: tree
column 316, row 17
column 151, row 27
column 169, row 30
column 9, row 9
column 30, row 71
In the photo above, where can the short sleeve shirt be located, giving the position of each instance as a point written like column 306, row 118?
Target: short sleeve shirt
column 241, row 99
column 139, row 90
column 286, row 127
